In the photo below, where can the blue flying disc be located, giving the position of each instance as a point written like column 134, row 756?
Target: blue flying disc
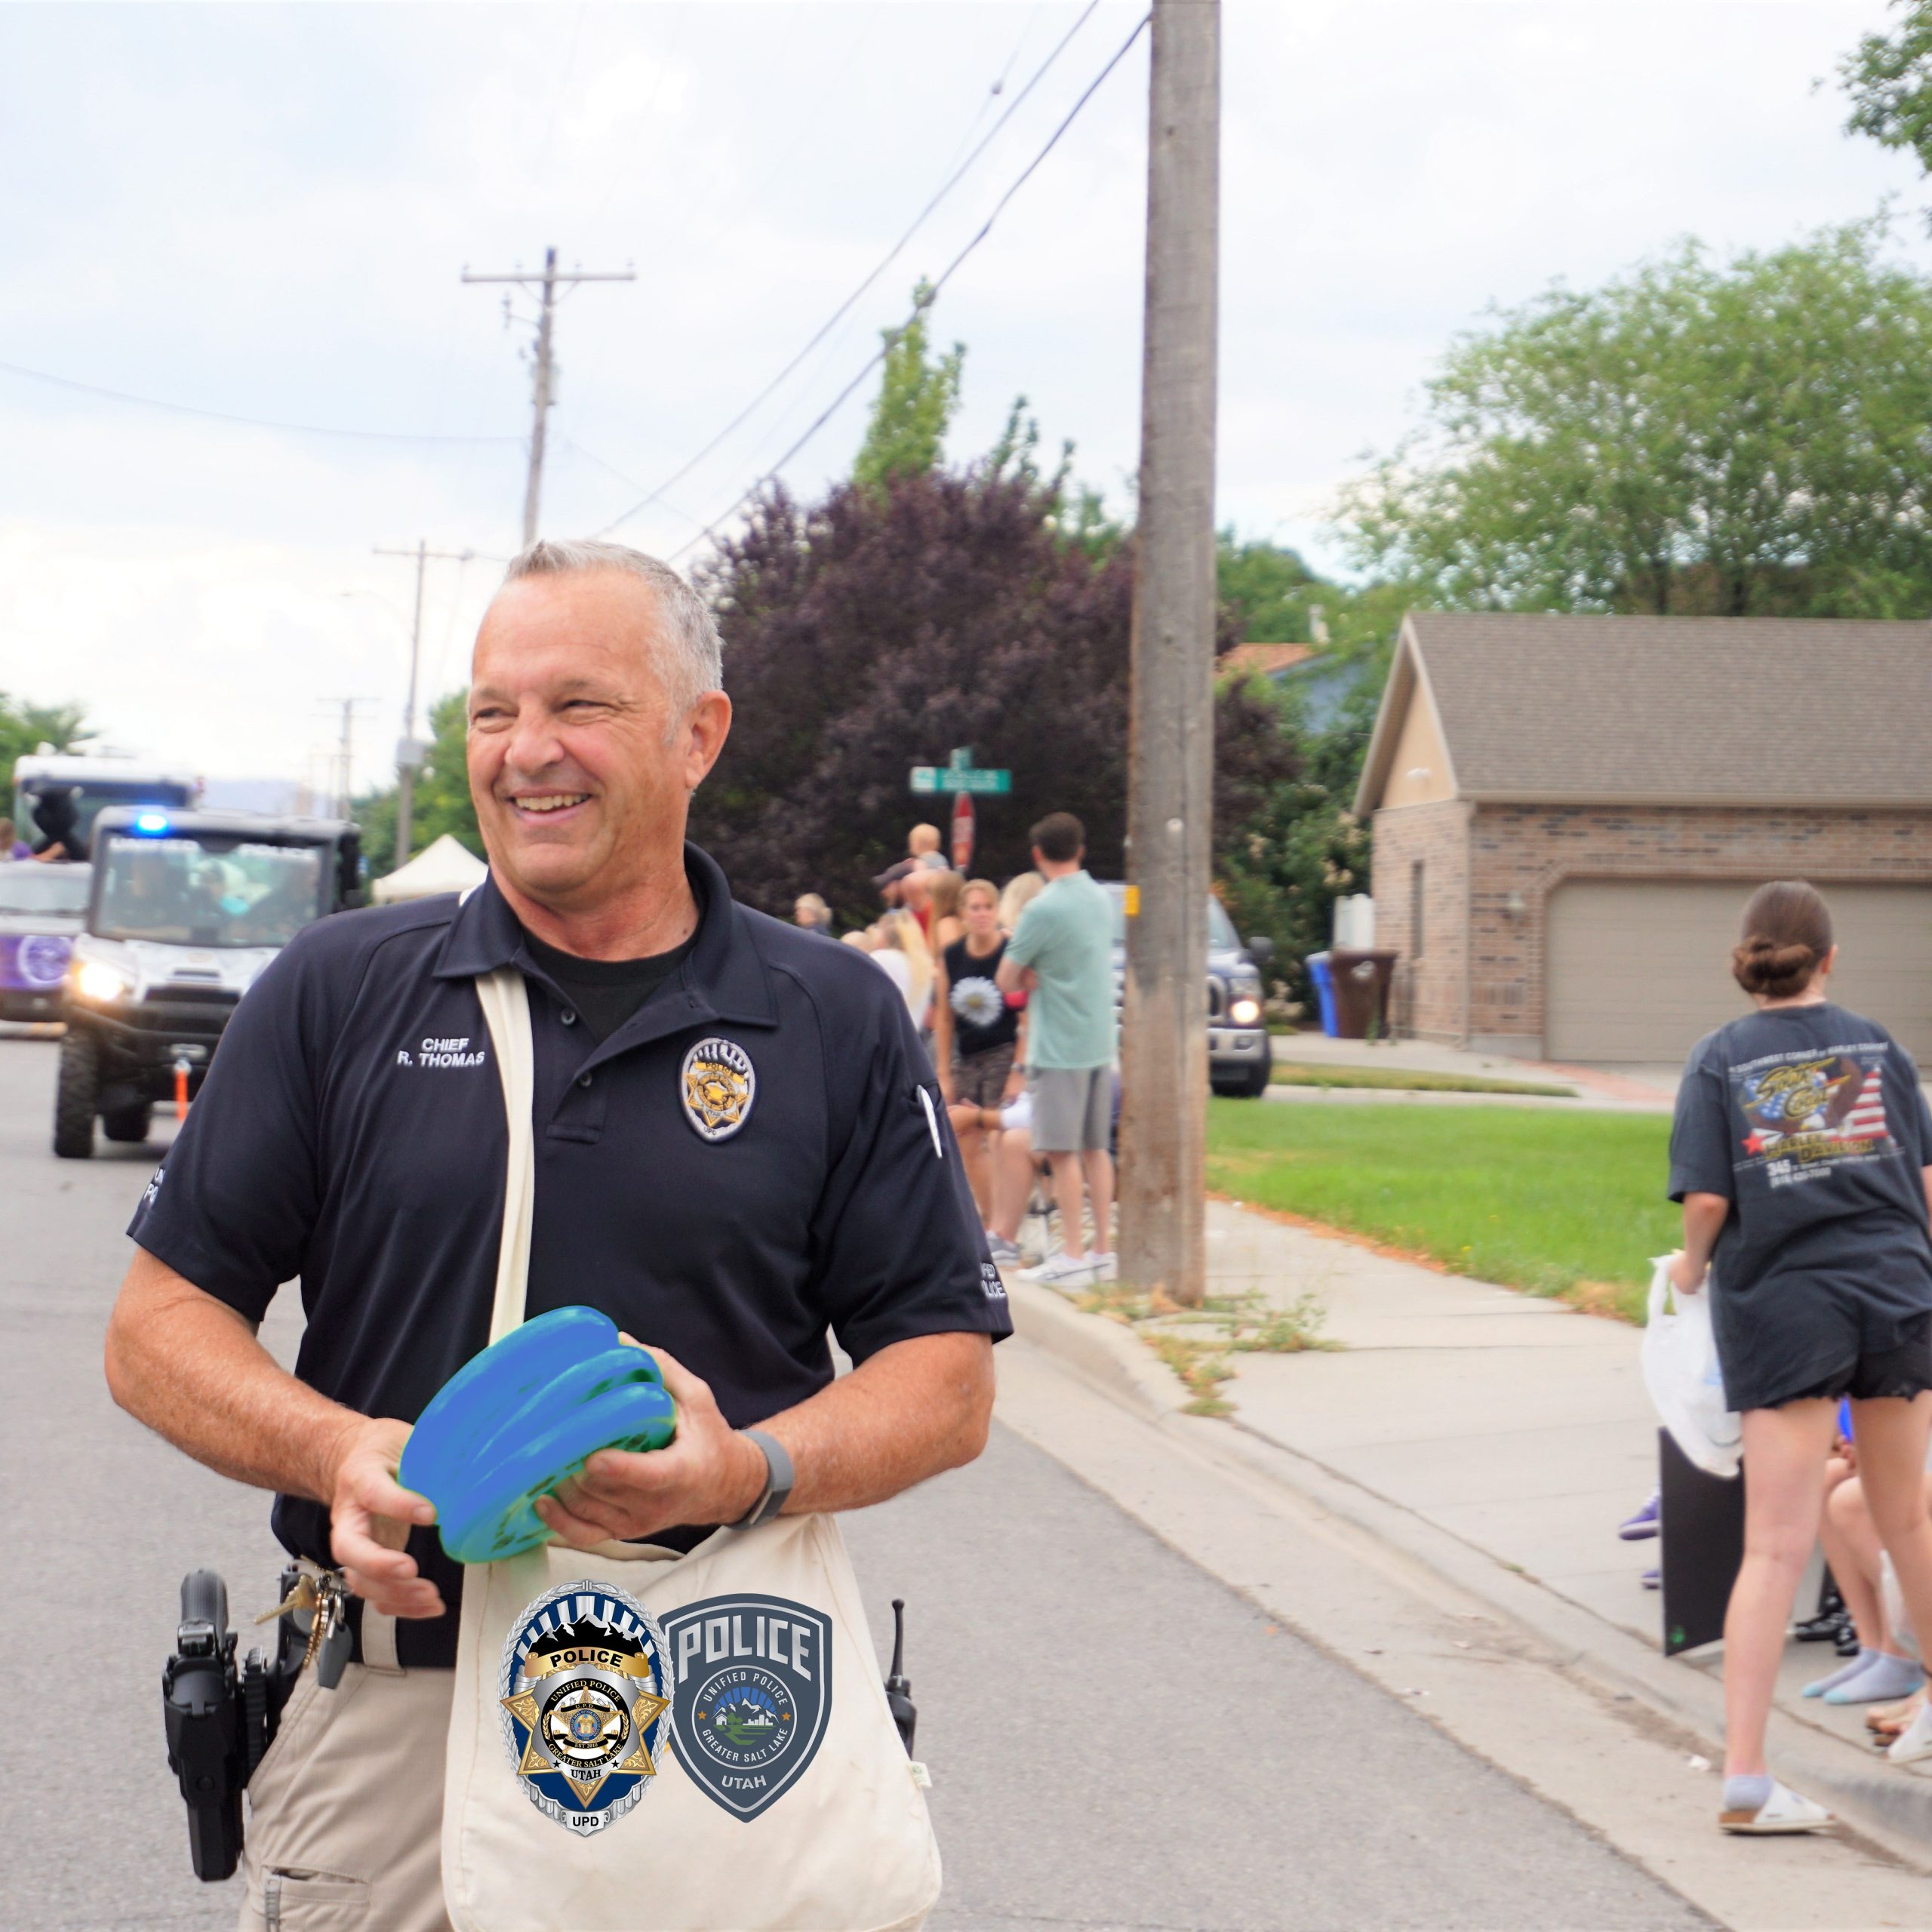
column 524, row 1417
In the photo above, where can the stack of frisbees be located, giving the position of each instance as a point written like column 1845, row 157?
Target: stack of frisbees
column 523, row 1417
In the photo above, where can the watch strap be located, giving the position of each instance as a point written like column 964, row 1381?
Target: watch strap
column 778, row 1480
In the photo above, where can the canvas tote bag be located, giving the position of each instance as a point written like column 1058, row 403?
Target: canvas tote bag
column 845, row 1845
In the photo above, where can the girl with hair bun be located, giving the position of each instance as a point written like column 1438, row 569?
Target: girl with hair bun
column 1800, row 1152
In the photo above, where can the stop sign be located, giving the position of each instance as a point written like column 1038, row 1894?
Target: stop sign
column 962, row 831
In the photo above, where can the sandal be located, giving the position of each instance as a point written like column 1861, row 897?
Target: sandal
column 1888, row 1720
column 1782, row 1813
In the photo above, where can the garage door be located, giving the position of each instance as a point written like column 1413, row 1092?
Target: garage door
column 1637, row 970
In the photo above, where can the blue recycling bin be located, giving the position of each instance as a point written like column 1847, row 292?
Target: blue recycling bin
column 1324, row 983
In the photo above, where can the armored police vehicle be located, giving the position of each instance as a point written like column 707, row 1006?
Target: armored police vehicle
column 187, row 908
column 1239, row 1057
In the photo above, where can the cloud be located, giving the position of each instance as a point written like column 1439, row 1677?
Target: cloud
column 265, row 210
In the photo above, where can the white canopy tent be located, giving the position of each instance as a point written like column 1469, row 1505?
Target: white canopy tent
column 443, row 866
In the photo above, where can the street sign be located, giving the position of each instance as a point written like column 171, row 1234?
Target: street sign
column 959, row 774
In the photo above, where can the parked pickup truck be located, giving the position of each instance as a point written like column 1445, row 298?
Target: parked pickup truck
column 1238, row 1055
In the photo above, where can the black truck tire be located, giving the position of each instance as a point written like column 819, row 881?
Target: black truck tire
column 76, row 1097
column 129, row 1123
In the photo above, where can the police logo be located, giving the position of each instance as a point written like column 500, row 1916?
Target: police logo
column 718, row 1086
column 754, row 1692
column 586, row 1684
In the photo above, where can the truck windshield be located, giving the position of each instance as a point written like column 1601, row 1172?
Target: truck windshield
column 26, row 890
column 206, row 890
column 97, row 794
column 1221, row 935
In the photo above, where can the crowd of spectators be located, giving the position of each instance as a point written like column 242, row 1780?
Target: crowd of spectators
column 1011, row 989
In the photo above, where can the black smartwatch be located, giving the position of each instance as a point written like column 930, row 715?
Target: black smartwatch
column 778, row 1480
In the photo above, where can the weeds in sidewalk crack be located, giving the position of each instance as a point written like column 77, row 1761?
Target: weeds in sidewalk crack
column 1199, row 1343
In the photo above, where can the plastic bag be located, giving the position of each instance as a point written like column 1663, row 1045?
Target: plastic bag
column 1681, row 1373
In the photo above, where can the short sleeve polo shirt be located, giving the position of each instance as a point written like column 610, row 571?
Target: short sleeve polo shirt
column 351, row 1133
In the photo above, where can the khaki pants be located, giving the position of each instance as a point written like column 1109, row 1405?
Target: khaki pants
column 345, row 1811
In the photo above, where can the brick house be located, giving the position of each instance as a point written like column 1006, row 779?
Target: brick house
column 1569, row 812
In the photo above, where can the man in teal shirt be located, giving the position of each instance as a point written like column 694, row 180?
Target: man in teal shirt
column 1063, row 953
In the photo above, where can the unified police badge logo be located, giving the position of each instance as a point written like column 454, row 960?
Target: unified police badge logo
column 754, row 1693
column 718, row 1087
column 586, row 1683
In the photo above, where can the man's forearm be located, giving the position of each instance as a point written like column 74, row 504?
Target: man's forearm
column 906, row 1413
column 189, row 1367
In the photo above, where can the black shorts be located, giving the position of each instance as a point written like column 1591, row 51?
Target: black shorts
column 1905, row 1369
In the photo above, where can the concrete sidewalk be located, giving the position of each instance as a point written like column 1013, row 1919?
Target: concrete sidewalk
column 1502, row 1438
column 1643, row 1089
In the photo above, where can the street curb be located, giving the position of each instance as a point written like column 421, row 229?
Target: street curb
column 1890, row 1805
column 1108, row 1353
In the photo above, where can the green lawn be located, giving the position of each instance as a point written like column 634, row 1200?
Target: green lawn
column 1289, row 1073
column 1569, row 1204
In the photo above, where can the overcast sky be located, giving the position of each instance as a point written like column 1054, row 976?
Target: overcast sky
column 263, row 211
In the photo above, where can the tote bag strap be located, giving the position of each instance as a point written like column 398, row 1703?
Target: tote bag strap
column 506, row 1002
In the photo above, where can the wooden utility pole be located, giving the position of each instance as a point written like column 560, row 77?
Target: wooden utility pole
column 544, row 387
column 1170, row 745
column 409, row 750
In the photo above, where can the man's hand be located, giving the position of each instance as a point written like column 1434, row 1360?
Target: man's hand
column 370, row 1515
column 1684, row 1279
column 709, row 1474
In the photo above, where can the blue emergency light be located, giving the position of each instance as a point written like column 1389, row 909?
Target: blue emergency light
column 151, row 825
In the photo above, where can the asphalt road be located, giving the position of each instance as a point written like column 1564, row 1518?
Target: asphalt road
column 1116, row 1740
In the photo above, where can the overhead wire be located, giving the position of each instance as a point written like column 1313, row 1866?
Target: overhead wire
column 246, row 422
column 891, row 255
column 879, row 354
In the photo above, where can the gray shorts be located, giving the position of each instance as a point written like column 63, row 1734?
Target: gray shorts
column 1073, row 1108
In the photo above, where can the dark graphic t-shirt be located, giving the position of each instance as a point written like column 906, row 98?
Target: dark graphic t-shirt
column 1811, row 1122
column 981, row 1018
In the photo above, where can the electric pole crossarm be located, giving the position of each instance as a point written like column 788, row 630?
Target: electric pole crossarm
column 544, row 389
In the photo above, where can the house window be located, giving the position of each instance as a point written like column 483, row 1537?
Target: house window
column 1415, row 909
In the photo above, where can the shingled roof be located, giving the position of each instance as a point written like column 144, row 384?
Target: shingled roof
column 1729, row 711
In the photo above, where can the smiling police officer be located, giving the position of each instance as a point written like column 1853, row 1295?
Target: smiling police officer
column 351, row 1133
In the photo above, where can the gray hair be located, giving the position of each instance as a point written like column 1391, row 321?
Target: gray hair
column 693, row 662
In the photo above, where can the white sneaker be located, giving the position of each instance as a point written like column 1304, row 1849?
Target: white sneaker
column 1005, row 1254
column 1914, row 1742
column 1060, row 1271
column 1105, row 1267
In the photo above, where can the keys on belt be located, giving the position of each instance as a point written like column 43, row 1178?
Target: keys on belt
column 324, row 1600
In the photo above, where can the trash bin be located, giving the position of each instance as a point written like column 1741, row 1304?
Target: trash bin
column 1361, row 990
column 1323, row 982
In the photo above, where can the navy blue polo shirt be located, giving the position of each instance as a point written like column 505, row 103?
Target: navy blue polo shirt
column 351, row 1133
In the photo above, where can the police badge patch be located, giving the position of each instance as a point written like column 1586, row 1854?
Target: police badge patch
column 586, row 1684
column 754, row 1691
column 716, row 1085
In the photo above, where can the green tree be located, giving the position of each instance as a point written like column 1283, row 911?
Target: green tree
column 917, row 397
column 1302, row 847
column 1889, row 78
column 442, row 802
column 1749, row 438
column 1268, row 589
column 25, row 727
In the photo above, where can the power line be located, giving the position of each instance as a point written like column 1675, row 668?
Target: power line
column 891, row 255
column 879, row 354
column 247, row 422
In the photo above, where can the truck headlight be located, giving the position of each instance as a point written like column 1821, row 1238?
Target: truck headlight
column 1245, row 1012
column 97, row 980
